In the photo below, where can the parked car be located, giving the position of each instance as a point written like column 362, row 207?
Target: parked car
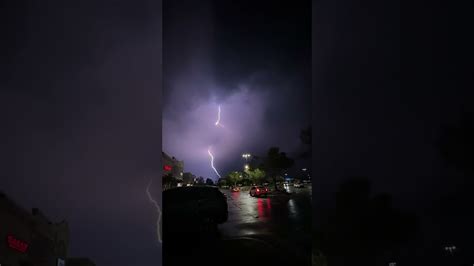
column 235, row 189
column 258, row 191
column 299, row 185
column 193, row 209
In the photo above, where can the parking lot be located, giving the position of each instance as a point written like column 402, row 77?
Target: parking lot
column 279, row 220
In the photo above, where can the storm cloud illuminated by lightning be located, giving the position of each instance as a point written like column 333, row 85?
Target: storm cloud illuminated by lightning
column 242, row 109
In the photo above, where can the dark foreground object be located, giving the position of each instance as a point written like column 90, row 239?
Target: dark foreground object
column 216, row 251
column 191, row 236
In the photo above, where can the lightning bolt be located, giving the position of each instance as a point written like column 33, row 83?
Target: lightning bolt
column 158, row 210
column 218, row 122
column 212, row 162
column 218, row 116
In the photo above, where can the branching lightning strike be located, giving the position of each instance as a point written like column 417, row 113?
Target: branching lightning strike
column 158, row 210
column 212, row 162
column 218, row 124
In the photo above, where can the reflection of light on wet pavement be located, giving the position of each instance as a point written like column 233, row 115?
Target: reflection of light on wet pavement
column 292, row 207
column 260, row 207
column 235, row 198
column 264, row 207
column 275, row 215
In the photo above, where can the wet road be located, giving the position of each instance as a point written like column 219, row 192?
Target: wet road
column 284, row 221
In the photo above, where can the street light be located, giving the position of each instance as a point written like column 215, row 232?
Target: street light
column 450, row 249
column 246, row 156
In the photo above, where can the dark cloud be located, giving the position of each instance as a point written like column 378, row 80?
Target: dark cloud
column 252, row 59
column 82, row 133
column 385, row 79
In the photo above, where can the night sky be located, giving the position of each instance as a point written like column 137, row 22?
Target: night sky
column 386, row 77
column 251, row 59
column 384, row 81
column 81, row 120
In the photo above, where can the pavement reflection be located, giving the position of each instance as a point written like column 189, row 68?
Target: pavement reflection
column 284, row 219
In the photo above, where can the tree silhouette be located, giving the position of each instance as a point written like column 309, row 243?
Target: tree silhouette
column 457, row 143
column 222, row 182
column 306, row 139
column 169, row 181
column 209, row 182
column 275, row 163
column 234, row 177
column 200, row 180
column 362, row 226
column 256, row 175
column 188, row 178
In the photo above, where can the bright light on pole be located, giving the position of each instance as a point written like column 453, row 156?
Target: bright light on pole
column 450, row 249
column 246, row 156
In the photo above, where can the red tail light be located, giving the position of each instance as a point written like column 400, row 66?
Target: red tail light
column 258, row 190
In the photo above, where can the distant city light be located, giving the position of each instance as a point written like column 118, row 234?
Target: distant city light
column 304, row 169
column 450, row 249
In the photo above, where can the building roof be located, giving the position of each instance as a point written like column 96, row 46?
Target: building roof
column 36, row 216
